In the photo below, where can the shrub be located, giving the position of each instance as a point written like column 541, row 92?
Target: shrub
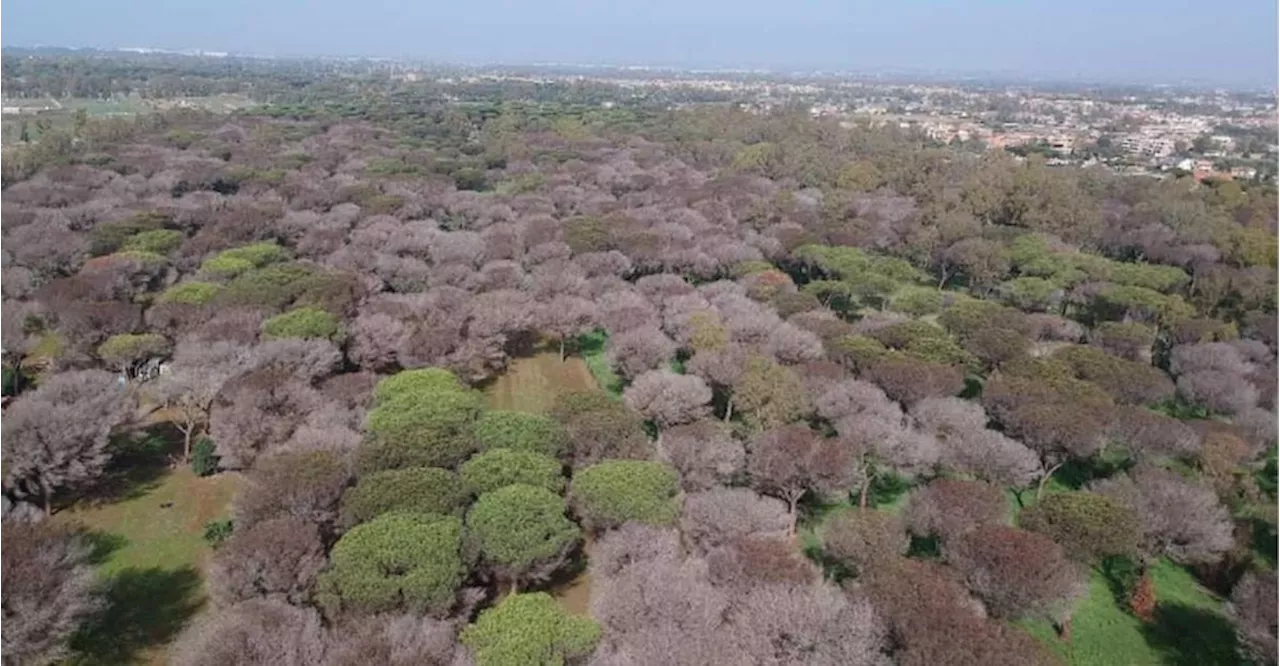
column 397, row 560
column 127, row 348
column 617, row 491
column 204, row 461
column 495, row 469
column 414, row 489
column 190, row 293
column 233, row 262
column 159, row 241
column 917, row 301
column 274, row 286
column 218, row 531
column 110, row 236
column 303, row 323
column 521, row 431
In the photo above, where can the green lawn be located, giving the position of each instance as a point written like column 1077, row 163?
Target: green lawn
column 592, row 349
column 1189, row 628
column 151, row 558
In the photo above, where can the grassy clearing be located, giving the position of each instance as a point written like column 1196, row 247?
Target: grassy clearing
column 532, row 384
column 592, row 350
column 148, row 532
column 147, row 535
column 1189, row 628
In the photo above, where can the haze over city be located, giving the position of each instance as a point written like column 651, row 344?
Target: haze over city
column 1230, row 43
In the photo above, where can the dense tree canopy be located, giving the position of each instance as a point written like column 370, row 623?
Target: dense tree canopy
column 775, row 313
column 398, row 560
column 529, row 629
column 521, row 531
column 617, row 491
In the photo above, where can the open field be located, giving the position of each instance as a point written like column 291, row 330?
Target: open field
column 153, row 553
column 60, row 113
column 533, row 383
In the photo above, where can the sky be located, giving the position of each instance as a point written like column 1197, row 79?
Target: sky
column 1227, row 42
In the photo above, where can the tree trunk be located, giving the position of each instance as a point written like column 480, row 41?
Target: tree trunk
column 562, row 349
column 792, row 499
column 866, row 486
column 1045, row 479
column 1064, row 630
column 48, row 498
column 187, row 431
column 728, row 409
column 942, row 283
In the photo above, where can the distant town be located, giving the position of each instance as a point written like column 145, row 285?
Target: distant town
column 1152, row 130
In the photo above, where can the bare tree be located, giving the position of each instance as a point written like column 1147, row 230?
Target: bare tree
column 1017, row 573
column 276, row 558
column 1181, row 520
column 48, row 587
column 668, row 399
column 791, row 625
column 967, row 445
column 1253, row 607
column 621, row 311
column 640, row 349
column 57, row 436
column 18, row 318
column 567, row 317
column 661, row 609
column 704, row 452
column 790, row 461
column 791, row 344
column 257, row 410
column 947, row 508
column 721, row 368
column 259, row 631
column 394, row 640
column 715, row 517
column 195, row 377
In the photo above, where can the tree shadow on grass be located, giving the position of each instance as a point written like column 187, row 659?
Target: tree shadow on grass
column 1189, row 636
column 143, row 608
column 102, row 545
column 141, row 460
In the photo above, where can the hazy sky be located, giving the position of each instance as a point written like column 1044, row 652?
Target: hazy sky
column 1227, row 41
